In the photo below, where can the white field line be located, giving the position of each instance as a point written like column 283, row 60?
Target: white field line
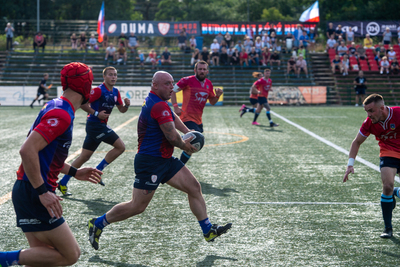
column 309, row 203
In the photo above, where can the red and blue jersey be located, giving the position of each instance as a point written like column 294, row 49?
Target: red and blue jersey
column 54, row 123
column 151, row 138
column 103, row 99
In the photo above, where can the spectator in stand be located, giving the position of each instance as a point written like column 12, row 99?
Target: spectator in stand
column 133, row 43
column 9, row 30
column 222, row 45
column 266, row 40
column 239, row 46
column 105, row 41
column 391, row 54
column 205, row 55
column 331, row 43
column 235, row 58
column 141, row 59
column 215, row 52
column 382, row 51
column 123, row 39
column 273, row 41
column 122, row 55
column 297, row 34
column 39, row 41
column 83, row 41
column 336, row 64
column 394, row 67
column 342, row 49
column 340, row 39
column 228, row 39
column 248, row 44
column 93, row 42
column 110, row 53
column 360, row 86
column 219, row 38
column 166, row 57
column 368, row 42
column 275, row 59
column 301, row 51
column 349, row 35
column 330, row 31
column 301, row 65
column 313, row 35
column 288, row 42
column 291, row 65
column 259, row 45
column 253, row 57
column 266, row 56
column 361, row 53
column 304, row 40
column 182, row 41
column 385, row 65
column 230, row 52
column 271, row 29
column 195, row 57
column 339, row 32
column 193, row 43
column 153, row 58
column 387, row 36
column 352, row 50
column 345, row 65
column 244, row 59
column 223, row 57
column 74, row 42
column 183, row 30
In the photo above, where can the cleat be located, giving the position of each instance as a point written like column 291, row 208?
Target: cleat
column 255, row 123
column 242, row 107
column 102, row 183
column 216, row 231
column 388, row 233
column 31, row 105
column 64, row 190
column 94, row 234
column 243, row 112
column 273, row 124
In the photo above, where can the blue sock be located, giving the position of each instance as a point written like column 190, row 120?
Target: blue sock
column 184, row 157
column 65, row 180
column 396, row 191
column 9, row 258
column 387, row 207
column 205, row 225
column 252, row 110
column 255, row 116
column 102, row 165
column 101, row 222
column 269, row 116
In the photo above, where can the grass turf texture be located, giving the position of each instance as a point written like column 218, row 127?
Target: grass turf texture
column 274, row 165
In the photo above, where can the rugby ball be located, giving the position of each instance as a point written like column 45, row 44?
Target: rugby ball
column 197, row 141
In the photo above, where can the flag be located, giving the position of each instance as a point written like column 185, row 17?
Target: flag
column 100, row 24
column 311, row 14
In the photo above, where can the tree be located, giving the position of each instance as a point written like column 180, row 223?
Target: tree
column 273, row 14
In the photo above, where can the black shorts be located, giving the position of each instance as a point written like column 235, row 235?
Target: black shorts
column 97, row 132
column 262, row 100
column 41, row 91
column 194, row 126
column 151, row 171
column 390, row 162
column 253, row 101
column 32, row 216
column 360, row 91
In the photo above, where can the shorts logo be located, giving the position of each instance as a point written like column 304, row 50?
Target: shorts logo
column 392, row 126
column 166, row 113
column 154, row 178
column 29, row 221
column 52, row 122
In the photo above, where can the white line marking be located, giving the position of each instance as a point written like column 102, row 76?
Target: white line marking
column 310, row 203
column 323, row 140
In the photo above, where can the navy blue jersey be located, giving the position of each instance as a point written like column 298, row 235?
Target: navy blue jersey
column 103, row 99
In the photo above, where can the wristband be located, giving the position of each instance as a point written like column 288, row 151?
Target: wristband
column 175, row 105
column 350, row 162
column 41, row 189
column 96, row 113
column 72, row 171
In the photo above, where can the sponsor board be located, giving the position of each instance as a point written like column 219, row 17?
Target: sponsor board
column 293, row 95
column 373, row 28
column 18, row 95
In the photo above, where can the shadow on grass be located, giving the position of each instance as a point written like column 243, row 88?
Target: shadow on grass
column 97, row 259
column 96, row 206
column 211, row 190
column 210, row 260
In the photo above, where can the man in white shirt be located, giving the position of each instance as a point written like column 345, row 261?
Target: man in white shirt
column 110, row 52
column 331, row 43
column 215, row 52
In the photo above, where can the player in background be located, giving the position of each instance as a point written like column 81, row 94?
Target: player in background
column 384, row 123
column 101, row 102
column 196, row 89
column 42, row 90
column 154, row 164
column 253, row 97
column 263, row 85
column 38, row 209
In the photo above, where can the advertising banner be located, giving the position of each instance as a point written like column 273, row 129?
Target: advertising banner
column 179, row 98
column 18, row 95
column 373, row 28
column 293, row 95
column 151, row 28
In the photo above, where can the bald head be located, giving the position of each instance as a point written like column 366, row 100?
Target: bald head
column 162, row 84
column 159, row 76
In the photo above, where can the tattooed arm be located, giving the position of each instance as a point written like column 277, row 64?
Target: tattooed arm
column 174, row 138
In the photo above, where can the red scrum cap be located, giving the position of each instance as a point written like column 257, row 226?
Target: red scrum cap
column 78, row 77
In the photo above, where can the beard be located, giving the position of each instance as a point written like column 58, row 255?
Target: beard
column 201, row 78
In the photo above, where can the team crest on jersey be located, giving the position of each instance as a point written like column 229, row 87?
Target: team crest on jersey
column 207, row 87
column 166, row 113
column 201, row 96
column 44, row 107
column 154, row 178
column 52, row 122
column 392, row 126
column 144, row 103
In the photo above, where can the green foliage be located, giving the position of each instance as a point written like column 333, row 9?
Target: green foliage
column 273, row 14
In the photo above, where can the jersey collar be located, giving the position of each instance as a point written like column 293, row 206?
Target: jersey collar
column 69, row 102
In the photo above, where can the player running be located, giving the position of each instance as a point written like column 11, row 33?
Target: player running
column 253, row 97
column 42, row 90
column 196, row 89
column 384, row 123
column 102, row 101
column 38, row 209
column 154, row 164
column 263, row 85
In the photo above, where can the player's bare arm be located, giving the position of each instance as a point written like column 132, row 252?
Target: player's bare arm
column 124, row 108
column 175, row 139
column 355, row 146
column 30, row 160
column 179, row 125
column 177, row 109
column 84, row 174
column 102, row 115
column 254, row 90
column 218, row 93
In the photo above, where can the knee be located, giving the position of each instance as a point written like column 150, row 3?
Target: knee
column 74, row 256
column 388, row 188
column 195, row 189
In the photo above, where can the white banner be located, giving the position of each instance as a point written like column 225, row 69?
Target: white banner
column 18, row 95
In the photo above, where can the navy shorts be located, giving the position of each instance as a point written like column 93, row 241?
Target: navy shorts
column 32, row 216
column 360, row 91
column 262, row 100
column 151, row 171
column 194, row 126
column 390, row 162
column 96, row 133
column 253, row 101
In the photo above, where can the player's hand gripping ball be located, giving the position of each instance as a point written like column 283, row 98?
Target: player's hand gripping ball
column 197, row 141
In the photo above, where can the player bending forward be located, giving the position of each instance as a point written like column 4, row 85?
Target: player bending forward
column 154, row 164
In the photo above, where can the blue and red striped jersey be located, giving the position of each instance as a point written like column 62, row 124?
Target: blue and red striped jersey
column 103, row 99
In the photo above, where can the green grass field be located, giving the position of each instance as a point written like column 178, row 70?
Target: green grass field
column 244, row 182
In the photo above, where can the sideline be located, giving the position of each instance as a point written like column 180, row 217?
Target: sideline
column 311, row 203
